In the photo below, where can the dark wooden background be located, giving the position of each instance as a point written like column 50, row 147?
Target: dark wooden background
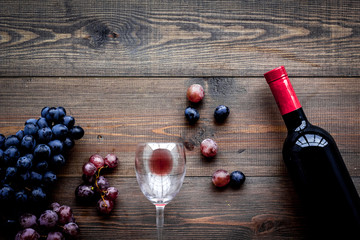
column 121, row 68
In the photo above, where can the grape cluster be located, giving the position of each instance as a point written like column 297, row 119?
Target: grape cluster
column 57, row 223
column 30, row 159
column 96, row 187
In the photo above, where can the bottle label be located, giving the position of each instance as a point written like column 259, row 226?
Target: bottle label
column 284, row 95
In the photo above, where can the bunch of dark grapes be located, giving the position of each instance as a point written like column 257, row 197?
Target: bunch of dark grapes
column 57, row 223
column 95, row 186
column 30, row 159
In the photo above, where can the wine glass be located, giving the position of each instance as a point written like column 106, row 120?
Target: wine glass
column 160, row 170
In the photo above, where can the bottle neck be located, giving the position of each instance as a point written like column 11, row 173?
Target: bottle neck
column 286, row 99
column 295, row 120
column 284, row 95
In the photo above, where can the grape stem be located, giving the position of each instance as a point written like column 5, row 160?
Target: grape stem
column 103, row 192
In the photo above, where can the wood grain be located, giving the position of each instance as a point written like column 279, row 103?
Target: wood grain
column 118, row 113
column 121, row 68
column 178, row 38
column 262, row 208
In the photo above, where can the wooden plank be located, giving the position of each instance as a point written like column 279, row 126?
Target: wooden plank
column 178, row 38
column 117, row 113
column 263, row 208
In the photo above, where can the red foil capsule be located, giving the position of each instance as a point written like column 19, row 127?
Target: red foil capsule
column 282, row 90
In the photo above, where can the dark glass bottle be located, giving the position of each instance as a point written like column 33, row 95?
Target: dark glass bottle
column 316, row 167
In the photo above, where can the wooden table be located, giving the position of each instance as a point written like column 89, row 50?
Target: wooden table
column 121, row 68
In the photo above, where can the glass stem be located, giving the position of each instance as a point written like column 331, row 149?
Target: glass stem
column 160, row 215
column 160, row 220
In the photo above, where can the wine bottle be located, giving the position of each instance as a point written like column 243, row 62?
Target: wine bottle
column 316, row 167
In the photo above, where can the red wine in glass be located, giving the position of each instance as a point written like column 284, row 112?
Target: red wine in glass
column 161, row 162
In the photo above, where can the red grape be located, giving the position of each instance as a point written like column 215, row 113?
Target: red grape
column 55, row 207
column 71, row 229
column 65, row 214
column 89, row 169
column 27, row 234
column 111, row 193
column 221, row 178
column 105, row 206
column 111, row 160
column 28, row 220
column 48, row 219
column 103, row 183
column 84, row 192
column 97, row 160
column 208, row 147
column 195, row 93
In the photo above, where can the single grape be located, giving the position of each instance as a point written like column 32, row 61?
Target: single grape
column 10, row 173
column 35, row 178
column 44, row 111
column 65, row 214
column 103, row 183
column 97, row 160
column 38, row 195
column 49, row 178
column 21, row 197
column 68, row 121
column 221, row 178
column 6, row 193
column 237, row 178
column 20, row 134
column 55, row 207
column 24, row 164
column 12, row 140
column 208, row 147
column 60, row 131
column 42, row 123
column 195, row 93
column 42, row 152
column 44, row 135
column 31, row 129
column 52, row 115
column 77, row 132
column 27, row 234
column 56, row 146
column 89, row 169
column 11, row 155
column 57, row 161
column 61, row 113
column 111, row 160
column 105, row 206
column 28, row 143
column 28, row 220
column 221, row 113
column 192, row 115
column 84, row 193
column 68, row 144
column 71, row 229
column 48, row 219
column 111, row 193
column 55, row 236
